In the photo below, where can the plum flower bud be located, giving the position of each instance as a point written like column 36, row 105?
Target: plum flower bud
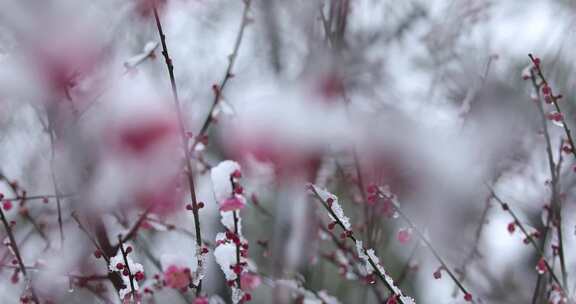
column 555, row 116
column 372, row 189
column 139, row 276
column 541, row 266
column 404, row 235
column 236, row 174
column 7, row 205
column 511, row 227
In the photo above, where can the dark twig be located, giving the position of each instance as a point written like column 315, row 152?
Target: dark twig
column 236, row 232
column 184, row 140
column 130, row 275
column 424, row 239
column 474, row 252
column 408, row 267
column 23, row 198
column 527, row 235
column 52, row 134
column 556, row 207
column 92, row 239
column 554, row 99
column 134, row 230
column 14, row 247
column 219, row 88
column 352, row 255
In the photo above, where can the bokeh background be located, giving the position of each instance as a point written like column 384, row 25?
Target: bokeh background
column 427, row 97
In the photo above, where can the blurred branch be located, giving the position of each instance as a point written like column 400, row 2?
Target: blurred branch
column 134, row 230
column 527, row 235
column 23, row 211
column 423, row 238
column 474, row 252
column 408, row 266
column 16, row 250
column 219, row 88
column 92, row 239
column 51, row 133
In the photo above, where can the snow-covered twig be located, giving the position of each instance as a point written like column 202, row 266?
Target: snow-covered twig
column 330, row 203
column 127, row 265
column 231, row 247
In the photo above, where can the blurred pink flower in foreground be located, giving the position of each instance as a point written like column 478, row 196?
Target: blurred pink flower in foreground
column 177, row 277
column 201, row 300
column 249, row 281
column 145, row 8
column 163, row 199
column 404, row 235
column 141, row 136
column 145, row 149
column 288, row 159
column 232, row 203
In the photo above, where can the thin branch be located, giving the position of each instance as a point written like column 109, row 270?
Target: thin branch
column 126, row 264
column 184, row 140
column 325, row 25
column 34, row 197
column 527, row 235
column 424, row 239
column 16, row 250
column 548, row 223
column 51, row 134
column 554, row 99
column 404, row 273
column 555, row 203
column 93, row 240
column 134, row 230
column 8, row 253
column 236, row 232
column 218, row 89
column 474, row 252
column 347, row 251
column 23, row 198
column 55, row 183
